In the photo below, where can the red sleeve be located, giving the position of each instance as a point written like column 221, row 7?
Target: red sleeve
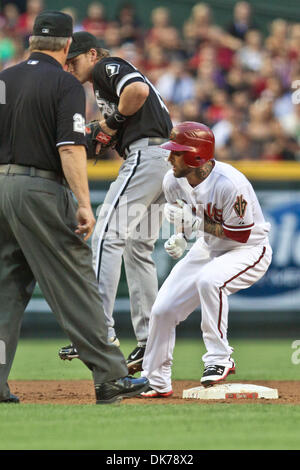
column 238, row 236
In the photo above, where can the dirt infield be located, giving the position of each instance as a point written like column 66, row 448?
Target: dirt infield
column 81, row 392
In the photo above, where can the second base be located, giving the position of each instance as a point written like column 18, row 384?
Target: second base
column 231, row 391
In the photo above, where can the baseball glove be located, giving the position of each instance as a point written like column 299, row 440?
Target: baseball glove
column 96, row 135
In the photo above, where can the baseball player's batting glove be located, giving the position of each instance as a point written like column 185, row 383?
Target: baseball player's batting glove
column 96, row 135
column 176, row 245
column 181, row 215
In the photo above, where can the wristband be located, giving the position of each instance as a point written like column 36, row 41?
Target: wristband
column 116, row 120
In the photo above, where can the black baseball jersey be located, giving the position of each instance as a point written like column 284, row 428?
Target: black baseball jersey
column 42, row 107
column 110, row 76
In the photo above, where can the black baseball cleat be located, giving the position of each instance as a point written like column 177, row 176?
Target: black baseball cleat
column 68, row 352
column 135, row 359
column 11, row 399
column 114, row 391
column 214, row 374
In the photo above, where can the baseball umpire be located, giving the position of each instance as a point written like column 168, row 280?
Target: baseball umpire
column 42, row 156
column 136, row 121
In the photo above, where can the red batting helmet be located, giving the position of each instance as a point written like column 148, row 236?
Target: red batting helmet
column 196, row 140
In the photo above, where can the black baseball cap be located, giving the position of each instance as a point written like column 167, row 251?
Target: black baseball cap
column 83, row 42
column 53, row 23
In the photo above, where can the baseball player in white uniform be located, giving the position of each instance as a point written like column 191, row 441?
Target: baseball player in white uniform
column 217, row 203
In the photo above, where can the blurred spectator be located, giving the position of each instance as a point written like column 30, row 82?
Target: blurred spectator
column 164, row 34
column 172, row 45
column 199, row 23
column 251, row 55
column 294, row 42
column 225, row 127
column 239, row 146
column 191, row 111
column 242, row 20
column 95, row 22
column 209, row 71
column 20, row 4
column 26, row 20
column 112, row 37
column 7, row 48
column 216, row 111
column 234, row 79
column 155, row 62
column 277, row 37
column 160, row 18
column 175, row 113
column 176, row 85
column 281, row 99
column 262, row 126
column 132, row 53
column 241, row 101
column 190, row 40
column 19, row 55
column 10, row 19
column 271, row 151
column 130, row 29
column 290, row 123
column 77, row 26
column 260, row 81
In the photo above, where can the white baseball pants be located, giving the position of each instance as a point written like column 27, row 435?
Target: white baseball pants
column 128, row 227
column 199, row 279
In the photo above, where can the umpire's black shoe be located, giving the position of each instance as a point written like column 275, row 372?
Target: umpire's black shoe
column 135, row 359
column 68, row 352
column 114, row 391
column 11, row 399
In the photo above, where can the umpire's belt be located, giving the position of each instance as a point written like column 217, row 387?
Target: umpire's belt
column 147, row 141
column 13, row 169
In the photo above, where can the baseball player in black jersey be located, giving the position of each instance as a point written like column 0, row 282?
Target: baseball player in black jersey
column 42, row 230
column 133, row 113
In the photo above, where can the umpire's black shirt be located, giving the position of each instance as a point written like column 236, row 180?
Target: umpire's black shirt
column 110, row 76
column 44, row 109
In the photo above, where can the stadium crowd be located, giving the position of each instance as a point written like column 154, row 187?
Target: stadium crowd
column 236, row 79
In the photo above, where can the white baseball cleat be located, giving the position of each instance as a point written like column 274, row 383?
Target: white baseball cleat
column 150, row 393
column 214, row 374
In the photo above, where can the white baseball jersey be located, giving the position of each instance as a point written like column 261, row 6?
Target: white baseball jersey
column 227, row 198
column 207, row 277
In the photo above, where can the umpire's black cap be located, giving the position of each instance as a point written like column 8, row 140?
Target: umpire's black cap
column 53, row 23
column 83, row 42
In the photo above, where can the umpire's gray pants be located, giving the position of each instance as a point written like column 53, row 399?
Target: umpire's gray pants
column 38, row 243
column 128, row 225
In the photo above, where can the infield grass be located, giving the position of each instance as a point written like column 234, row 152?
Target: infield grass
column 256, row 359
column 150, row 427
column 154, row 427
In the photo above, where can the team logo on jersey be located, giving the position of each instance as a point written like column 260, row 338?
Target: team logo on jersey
column 112, row 69
column 79, row 123
column 240, row 206
column 107, row 108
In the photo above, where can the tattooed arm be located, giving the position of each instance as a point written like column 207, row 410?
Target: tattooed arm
column 213, row 228
column 216, row 229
